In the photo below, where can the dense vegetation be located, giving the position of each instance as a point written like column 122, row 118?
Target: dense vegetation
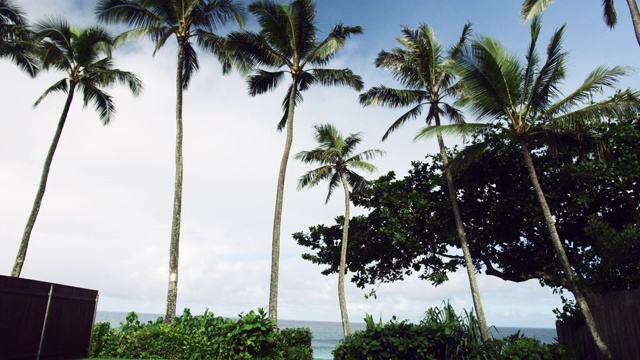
column 441, row 334
column 206, row 336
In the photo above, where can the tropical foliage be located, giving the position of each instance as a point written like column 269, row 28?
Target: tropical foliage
column 337, row 161
column 16, row 39
column 204, row 336
column 287, row 43
column 188, row 21
column 84, row 55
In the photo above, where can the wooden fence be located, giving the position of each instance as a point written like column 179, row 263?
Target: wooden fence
column 617, row 316
column 40, row 320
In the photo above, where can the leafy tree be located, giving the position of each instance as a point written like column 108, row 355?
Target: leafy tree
column 16, row 40
column 188, row 21
column 531, row 8
column 497, row 87
column 420, row 64
column 288, row 43
column 85, row 56
column 335, row 156
column 407, row 228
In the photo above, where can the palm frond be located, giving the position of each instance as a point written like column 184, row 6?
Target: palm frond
column 609, row 13
column 393, row 98
column 451, row 129
column 264, row 81
column 468, row 155
column 327, row 49
column 285, row 107
column 189, row 64
column 102, row 102
column 338, row 77
column 411, row 114
column 599, row 78
column 61, row 85
column 531, row 8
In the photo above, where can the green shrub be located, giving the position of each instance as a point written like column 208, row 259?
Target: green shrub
column 206, row 336
column 443, row 335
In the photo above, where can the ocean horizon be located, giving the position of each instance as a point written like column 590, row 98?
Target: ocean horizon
column 327, row 334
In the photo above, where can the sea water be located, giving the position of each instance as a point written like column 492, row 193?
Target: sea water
column 326, row 335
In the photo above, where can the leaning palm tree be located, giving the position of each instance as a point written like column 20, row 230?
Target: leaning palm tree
column 531, row 8
column 420, row 64
column 496, row 86
column 188, row 21
column 85, row 56
column 288, row 43
column 335, row 156
column 16, row 40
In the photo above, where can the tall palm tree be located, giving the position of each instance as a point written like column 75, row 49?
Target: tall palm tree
column 498, row 87
column 531, row 8
column 16, row 40
column 335, row 156
column 420, row 65
column 288, row 43
column 85, row 56
column 188, row 21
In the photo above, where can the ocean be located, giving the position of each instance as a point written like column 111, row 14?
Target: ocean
column 326, row 335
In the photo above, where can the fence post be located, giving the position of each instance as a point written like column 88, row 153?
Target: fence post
column 44, row 323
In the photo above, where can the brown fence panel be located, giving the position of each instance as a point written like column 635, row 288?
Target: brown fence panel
column 617, row 315
column 44, row 320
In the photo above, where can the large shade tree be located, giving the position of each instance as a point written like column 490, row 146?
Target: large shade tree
column 84, row 55
column 420, row 64
column 337, row 162
column 16, row 39
column 288, row 43
column 531, row 8
column 191, row 22
column 527, row 100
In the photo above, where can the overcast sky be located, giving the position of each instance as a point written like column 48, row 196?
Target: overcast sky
column 105, row 219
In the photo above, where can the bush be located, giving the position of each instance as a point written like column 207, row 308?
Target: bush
column 441, row 335
column 206, row 336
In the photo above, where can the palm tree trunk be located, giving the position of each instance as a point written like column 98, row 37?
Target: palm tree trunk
column 174, row 249
column 343, row 261
column 277, row 217
column 24, row 244
column 475, row 292
column 562, row 255
column 635, row 17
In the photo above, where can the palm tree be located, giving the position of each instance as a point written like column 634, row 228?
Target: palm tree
column 187, row 20
column 16, row 40
column 85, row 56
column 288, row 43
column 420, row 64
column 498, row 87
column 531, row 8
column 335, row 156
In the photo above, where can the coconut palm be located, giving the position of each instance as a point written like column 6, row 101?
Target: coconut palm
column 288, row 43
column 16, row 40
column 335, row 156
column 189, row 21
column 531, row 8
column 420, row 65
column 527, row 98
column 85, row 56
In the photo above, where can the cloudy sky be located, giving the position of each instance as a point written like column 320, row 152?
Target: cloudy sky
column 106, row 216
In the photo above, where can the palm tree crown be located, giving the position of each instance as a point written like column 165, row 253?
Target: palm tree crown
column 187, row 20
column 287, row 43
column 421, row 66
column 85, row 56
column 16, row 40
column 335, row 156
